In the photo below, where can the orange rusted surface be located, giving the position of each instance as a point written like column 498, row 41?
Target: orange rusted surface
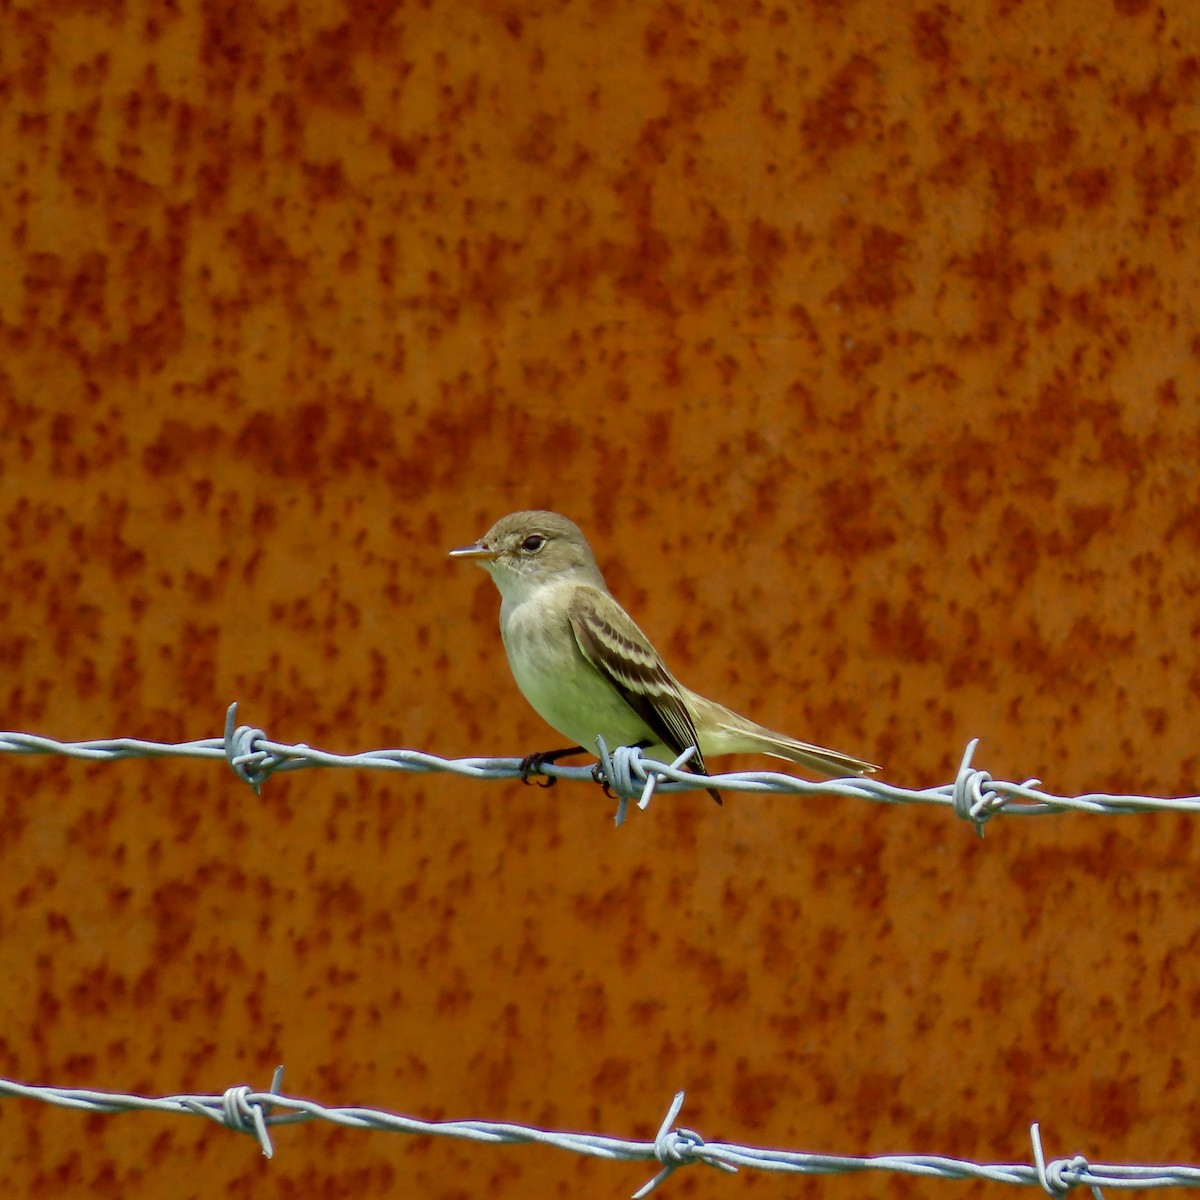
column 861, row 339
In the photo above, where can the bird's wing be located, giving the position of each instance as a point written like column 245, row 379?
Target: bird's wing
column 620, row 651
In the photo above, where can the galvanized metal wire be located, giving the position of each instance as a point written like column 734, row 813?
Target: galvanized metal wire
column 247, row 1111
column 974, row 795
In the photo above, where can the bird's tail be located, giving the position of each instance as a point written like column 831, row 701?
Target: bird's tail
column 812, row 758
column 725, row 732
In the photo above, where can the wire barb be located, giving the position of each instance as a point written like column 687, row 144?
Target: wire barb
column 675, row 1148
column 240, row 1109
column 971, row 801
column 629, row 773
column 1060, row 1175
column 249, row 763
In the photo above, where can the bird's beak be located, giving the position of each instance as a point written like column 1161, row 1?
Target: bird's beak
column 479, row 550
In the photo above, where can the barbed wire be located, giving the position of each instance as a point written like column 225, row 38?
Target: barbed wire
column 246, row 1111
column 974, row 795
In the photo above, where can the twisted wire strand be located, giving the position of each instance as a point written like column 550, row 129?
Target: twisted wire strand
column 974, row 795
column 244, row 1110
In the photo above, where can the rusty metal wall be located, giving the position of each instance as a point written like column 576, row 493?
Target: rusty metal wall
column 861, row 338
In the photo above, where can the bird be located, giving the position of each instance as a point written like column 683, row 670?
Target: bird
column 587, row 669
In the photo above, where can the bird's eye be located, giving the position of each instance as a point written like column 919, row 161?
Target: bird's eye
column 533, row 543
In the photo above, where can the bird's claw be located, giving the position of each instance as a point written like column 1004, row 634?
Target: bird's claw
column 599, row 776
column 533, row 763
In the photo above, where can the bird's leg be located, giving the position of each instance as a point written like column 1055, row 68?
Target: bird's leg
column 532, row 763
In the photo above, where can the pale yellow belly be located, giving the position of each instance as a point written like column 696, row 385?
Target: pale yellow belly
column 564, row 689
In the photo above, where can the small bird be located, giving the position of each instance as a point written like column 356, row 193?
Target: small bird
column 588, row 670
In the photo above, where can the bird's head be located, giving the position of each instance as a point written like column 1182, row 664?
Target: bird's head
column 526, row 550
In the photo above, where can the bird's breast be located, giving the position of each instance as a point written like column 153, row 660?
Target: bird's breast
column 565, row 690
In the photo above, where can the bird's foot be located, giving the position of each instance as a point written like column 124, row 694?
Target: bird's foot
column 532, row 764
column 599, row 776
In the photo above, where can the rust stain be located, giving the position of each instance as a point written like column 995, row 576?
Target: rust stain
column 872, row 341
